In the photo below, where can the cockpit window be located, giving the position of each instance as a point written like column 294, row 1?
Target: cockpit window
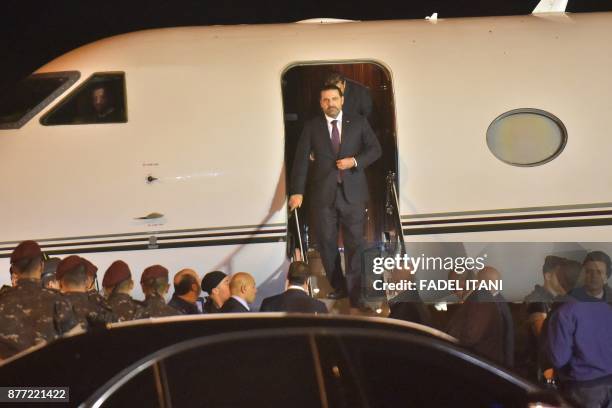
column 100, row 99
column 23, row 100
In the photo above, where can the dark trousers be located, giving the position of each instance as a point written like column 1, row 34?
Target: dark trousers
column 590, row 396
column 351, row 218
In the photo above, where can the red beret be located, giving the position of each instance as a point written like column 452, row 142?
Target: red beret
column 153, row 272
column 25, row 250
column 118, row 272
column 69, row 264
column 91, row 268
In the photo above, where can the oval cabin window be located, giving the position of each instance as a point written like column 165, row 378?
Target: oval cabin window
column 526, row 137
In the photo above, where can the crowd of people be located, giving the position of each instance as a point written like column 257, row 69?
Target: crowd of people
column 569, row 330
column 49, row 298
column 560, row 336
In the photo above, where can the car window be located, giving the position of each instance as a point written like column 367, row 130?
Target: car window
column 100, row 99
column 260, row 372
column 315, row 367
column 142, row 388
column 366, row 371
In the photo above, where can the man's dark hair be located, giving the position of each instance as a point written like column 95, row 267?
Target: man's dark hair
column 330, row 88
column 184, row 285
column 568, row 274
column 599, row 256
column 551, row 262
column 155, row 285
column 298, row 274
column 333, row 78
column 26, row 265
column 76, row 276
column 103, row 86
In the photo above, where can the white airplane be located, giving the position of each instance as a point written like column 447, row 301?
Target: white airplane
column 500, row 134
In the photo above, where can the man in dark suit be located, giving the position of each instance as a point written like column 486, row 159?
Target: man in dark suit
column 478, row 323
column 217, row 285
column 597, row 268
column 357, row 98
column 243, row 290
column 342, row 146
column 186, row 292
column 295, row 299
column 408, row 304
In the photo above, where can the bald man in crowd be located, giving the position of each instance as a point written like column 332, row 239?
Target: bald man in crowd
column 72, row 274
column 154, row 282
column 478, row 324
column 186, row 291
column 243, row 290
column 217, row 285
column 118, row 285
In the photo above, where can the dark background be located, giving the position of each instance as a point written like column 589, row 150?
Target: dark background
column 33, row 32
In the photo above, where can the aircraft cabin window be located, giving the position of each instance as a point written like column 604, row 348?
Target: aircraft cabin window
column 526, row 137
column 22, row 101
column 100, row 99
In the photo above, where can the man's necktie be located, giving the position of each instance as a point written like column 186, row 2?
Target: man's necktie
column 335, row 139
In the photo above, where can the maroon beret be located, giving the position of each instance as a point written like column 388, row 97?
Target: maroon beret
column 118, row 272
column 91, row 268
column 25, row 250
column 153, row 272
column 69, row 264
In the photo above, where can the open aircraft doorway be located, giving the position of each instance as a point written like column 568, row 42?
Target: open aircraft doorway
column 301, row 84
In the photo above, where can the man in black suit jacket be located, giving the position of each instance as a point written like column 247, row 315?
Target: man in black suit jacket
column 478, row 323
column 295, row 299
column 357, row 98
column 244, row 290
column 342, row 145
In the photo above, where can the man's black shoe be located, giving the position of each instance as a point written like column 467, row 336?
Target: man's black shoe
column 337, row 294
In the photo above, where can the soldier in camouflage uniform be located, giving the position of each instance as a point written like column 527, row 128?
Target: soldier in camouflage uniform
column 48, row 279
column 6, row 288
column 29, row 313
column 94, row 296
column 72, row 273
column 117, row 285
column 154, row 281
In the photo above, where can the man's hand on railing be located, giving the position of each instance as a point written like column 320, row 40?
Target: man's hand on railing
column 295, row 201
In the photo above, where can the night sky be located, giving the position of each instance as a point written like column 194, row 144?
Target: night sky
column 33, row 32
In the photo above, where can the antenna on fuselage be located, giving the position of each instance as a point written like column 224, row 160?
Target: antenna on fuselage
column 550, row 6
column 432, row 18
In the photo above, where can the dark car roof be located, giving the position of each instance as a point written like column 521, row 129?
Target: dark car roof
column 86, row 361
